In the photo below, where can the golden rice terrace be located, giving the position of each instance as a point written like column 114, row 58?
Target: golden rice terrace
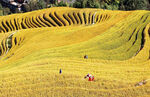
column 34, row 46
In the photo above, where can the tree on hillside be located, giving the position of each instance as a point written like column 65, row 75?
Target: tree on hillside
column 78, row 4
column 92, row 4
column 25, row 8
column 86, row 4
column 1, row 10
column 121, row 6
column 33, row 5
column 62, row 3
column 41, row 4
column 148, row 4
column 135, row 4
column 111, row 5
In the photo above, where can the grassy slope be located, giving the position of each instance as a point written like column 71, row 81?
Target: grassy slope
column 31, row 67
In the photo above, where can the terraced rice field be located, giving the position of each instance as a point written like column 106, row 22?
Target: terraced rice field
column 36, row 45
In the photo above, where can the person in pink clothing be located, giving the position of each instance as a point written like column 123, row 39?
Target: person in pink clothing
column 90, row 77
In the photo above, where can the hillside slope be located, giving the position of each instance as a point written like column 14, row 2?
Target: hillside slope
column 35, row 45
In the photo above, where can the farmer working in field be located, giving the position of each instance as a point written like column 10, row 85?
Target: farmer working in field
column 141, row 83
column 90, row 77
column 60, row 71
column 86, row 57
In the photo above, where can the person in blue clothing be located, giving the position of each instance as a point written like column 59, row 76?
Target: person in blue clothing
column 60, row 71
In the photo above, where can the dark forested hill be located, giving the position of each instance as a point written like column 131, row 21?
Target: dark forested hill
column 103, row 4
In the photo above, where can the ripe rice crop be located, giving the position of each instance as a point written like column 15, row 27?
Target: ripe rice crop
column 34, row 46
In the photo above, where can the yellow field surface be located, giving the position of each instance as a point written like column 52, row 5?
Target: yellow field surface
column 36, row 45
